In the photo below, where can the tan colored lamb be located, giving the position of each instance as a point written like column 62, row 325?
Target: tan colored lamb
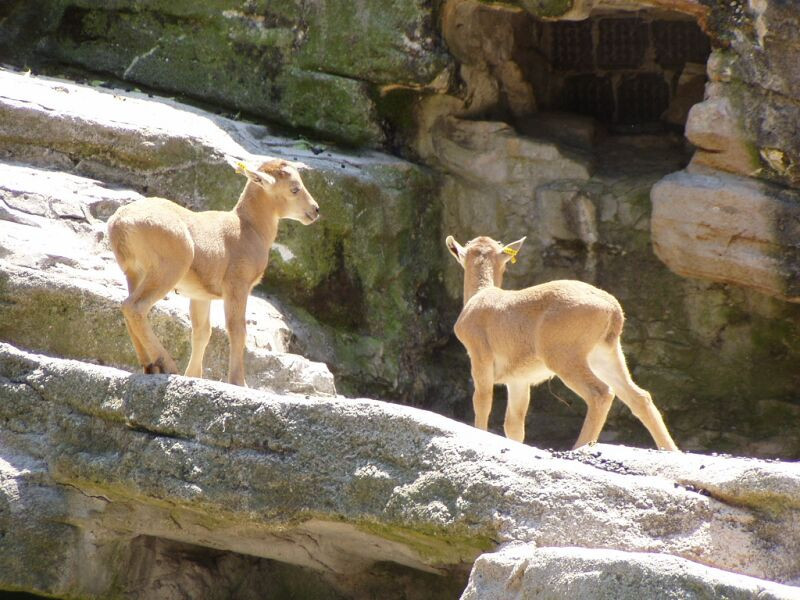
column 205, row 256
column 523, row 337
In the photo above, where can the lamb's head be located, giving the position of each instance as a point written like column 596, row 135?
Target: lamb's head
column 484, row 255
column 281, row 180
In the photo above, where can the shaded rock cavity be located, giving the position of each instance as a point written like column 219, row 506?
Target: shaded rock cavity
column 632, row 71
column 172, row 570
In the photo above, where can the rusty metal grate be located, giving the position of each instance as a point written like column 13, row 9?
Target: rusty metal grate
column 621, row 43
column 679, row 42
column 571, row 45
column 642, row 98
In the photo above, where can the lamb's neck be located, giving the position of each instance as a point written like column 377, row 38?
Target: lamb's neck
column 477, row 278
column 257, row 209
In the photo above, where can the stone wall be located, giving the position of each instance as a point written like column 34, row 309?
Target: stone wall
column 466, row 88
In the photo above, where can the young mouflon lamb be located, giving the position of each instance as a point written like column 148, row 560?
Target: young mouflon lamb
column 523, row 337
column 161, row 246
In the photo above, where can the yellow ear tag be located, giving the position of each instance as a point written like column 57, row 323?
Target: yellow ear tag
column 241, row 168
column 512, row 253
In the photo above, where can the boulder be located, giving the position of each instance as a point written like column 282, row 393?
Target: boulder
column 315, row 67
column 61, row 289
column 713, row 127
column 730, row 229
column 755, row 69
column 135, row 466
column 530, row 573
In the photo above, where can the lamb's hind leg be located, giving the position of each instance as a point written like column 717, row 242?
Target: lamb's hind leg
column 578, row 376
column 141, row 354
column 152, row 286
column 609, row 362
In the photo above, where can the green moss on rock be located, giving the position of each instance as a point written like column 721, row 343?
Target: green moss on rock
column 432, row 545
column 334, row 107
column 366, row 269
column 386, row 42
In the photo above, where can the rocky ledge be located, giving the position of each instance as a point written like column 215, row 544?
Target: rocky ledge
column 134, row 485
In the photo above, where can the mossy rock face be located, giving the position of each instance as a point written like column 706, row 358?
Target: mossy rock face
column 221, row 62
column 368, row 269
column 756, row 68
column 309, row 68
column 382, row 42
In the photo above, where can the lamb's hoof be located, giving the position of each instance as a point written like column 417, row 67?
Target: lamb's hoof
column 153, row 368
column 161, row 366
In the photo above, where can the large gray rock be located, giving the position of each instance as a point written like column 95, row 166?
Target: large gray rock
column 304, row 482
column 731, row 229
column 61, row 289
column 314, row 66
column 530, row 573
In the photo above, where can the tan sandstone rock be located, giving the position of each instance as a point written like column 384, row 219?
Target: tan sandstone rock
column 731, row 229
column 713, row 126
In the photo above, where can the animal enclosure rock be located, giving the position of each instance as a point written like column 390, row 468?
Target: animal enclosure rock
column 313, row 66
column 123, row 466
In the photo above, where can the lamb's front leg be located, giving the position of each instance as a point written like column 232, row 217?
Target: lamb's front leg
column 482, row 378
column 235, row 309
column 199, row 311
column 519, row 397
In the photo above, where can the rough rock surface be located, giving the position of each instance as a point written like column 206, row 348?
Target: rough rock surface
column 746, row 126
column 525, row 572
column 729, row 228
column 699, row 346
column 61, row 289
column 96, row 458
column 314, row 66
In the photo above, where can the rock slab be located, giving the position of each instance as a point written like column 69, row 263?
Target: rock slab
column 729, row 228
column 529, row 573
column 101, row 461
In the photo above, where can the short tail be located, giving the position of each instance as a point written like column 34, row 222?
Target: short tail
column 615, row 325
column 116, row 239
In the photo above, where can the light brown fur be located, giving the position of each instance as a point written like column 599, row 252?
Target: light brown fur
column 523, row 337
column 161, row 246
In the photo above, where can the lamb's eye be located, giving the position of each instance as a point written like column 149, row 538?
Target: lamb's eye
column 295, row 190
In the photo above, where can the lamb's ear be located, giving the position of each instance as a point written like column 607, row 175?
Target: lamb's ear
column 512, row 249
column 258, row 177
column 300, row 166
column 456, row 249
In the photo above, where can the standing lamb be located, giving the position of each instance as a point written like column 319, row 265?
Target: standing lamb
column 521, row 338
column 209, row 255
